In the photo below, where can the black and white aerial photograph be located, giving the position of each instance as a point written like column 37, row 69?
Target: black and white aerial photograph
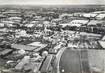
column 52, row 36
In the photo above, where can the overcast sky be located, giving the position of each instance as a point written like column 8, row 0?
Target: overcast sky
column 51, row 2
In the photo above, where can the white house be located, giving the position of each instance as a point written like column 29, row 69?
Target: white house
column 30, row 25
column 1, row 24
column 78, row 23
column 88, row 15
column 95, row 22
column 98, row 12
column 65, row 14
column 8, row 23
column 65, row 24
column 100, row 16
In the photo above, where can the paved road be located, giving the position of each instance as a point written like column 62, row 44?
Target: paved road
column 58, row 56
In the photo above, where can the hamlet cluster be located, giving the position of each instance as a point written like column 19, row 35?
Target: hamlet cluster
column 31, row 41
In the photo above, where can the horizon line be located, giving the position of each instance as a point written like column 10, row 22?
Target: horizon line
column 50, row 4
